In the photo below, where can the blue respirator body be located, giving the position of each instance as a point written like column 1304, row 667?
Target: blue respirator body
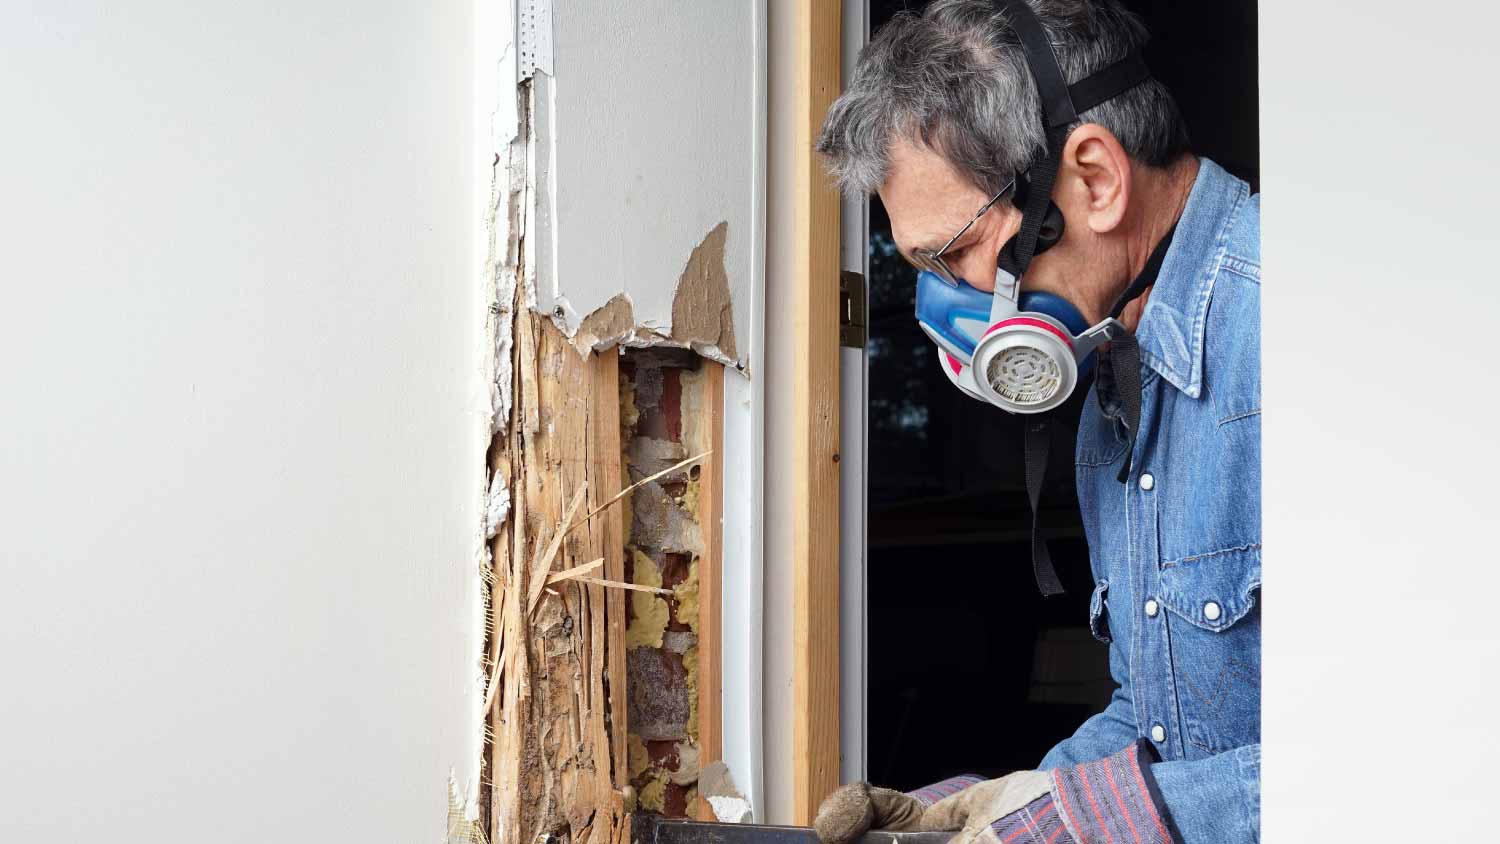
column 1023, row 352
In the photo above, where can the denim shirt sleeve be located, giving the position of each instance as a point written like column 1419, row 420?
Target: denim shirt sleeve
column 1098, row 737
column 1214, row 800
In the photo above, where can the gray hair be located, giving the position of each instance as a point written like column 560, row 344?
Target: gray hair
column 955, row 79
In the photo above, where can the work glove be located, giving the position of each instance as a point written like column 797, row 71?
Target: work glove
column 1107, row 800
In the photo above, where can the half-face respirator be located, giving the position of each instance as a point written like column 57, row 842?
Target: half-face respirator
column 1022, row 352
column 1026, row 352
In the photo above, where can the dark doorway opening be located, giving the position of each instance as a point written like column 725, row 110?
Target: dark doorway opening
column 970, row 669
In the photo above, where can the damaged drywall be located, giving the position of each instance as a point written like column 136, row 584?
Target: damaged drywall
column 612, row 323
column 702, row 311
column 716, row 785
column 624, row 223
column 614, row 222
column 646, row 223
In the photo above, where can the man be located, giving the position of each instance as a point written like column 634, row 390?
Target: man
column 942, row 113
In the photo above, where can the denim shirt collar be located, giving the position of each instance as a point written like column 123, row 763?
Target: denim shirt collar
column 1171, row 329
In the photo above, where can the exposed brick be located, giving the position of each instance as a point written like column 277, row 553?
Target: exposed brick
column 659, row 705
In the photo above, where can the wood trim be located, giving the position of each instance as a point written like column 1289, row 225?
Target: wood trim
column 815, row 337
column 710, row 581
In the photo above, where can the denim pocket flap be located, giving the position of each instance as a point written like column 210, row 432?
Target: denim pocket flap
column 1098, row 615
column 1213, row 590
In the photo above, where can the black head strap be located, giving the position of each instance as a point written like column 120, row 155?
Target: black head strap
column 1061, row 105
column 1051, row 87
column 1057, row 113
column 1110, row 82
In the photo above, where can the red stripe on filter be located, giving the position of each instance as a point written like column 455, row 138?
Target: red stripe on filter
column 954, row 364
column 1034, row 323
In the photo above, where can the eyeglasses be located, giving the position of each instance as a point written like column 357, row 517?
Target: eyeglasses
column 932, row 261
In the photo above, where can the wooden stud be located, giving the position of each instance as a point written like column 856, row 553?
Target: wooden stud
column 608, row 455
column 815, row 336
column 710, row 581
column 559, row 733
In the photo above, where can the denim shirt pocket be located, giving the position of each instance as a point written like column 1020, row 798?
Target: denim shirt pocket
column 1214, row 590
column 1216, row 653
column 1099, row 612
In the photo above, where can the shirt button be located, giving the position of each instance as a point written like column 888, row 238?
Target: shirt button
column 1158, row 733
column 1151, row 608
column 1211, row 611
column 1147, row 482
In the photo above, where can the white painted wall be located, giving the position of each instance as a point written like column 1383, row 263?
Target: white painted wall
column 1380, row 408
column 243, row 419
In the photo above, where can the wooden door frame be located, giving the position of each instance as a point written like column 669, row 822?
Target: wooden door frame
column 815, row 487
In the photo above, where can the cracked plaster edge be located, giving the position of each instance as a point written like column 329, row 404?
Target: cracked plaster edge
column 613, row 323
column 648, row 337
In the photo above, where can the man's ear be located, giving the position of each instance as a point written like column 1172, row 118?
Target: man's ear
column 1096, row 175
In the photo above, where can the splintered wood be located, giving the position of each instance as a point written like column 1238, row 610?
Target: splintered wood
column 556, row 702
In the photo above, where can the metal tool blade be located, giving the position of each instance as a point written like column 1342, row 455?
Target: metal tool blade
column 651, row 829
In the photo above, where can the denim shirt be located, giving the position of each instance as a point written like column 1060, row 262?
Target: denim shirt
column 1176, row 550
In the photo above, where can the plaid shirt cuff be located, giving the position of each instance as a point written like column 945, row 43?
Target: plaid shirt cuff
column 930, row 794
column 1114, row 799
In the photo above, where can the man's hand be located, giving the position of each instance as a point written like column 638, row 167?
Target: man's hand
column 859, row 807
column 1105, row 800
column 976, row 808
column 966, row 804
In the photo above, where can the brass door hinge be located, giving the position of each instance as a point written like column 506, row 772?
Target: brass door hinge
column 853, row 310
